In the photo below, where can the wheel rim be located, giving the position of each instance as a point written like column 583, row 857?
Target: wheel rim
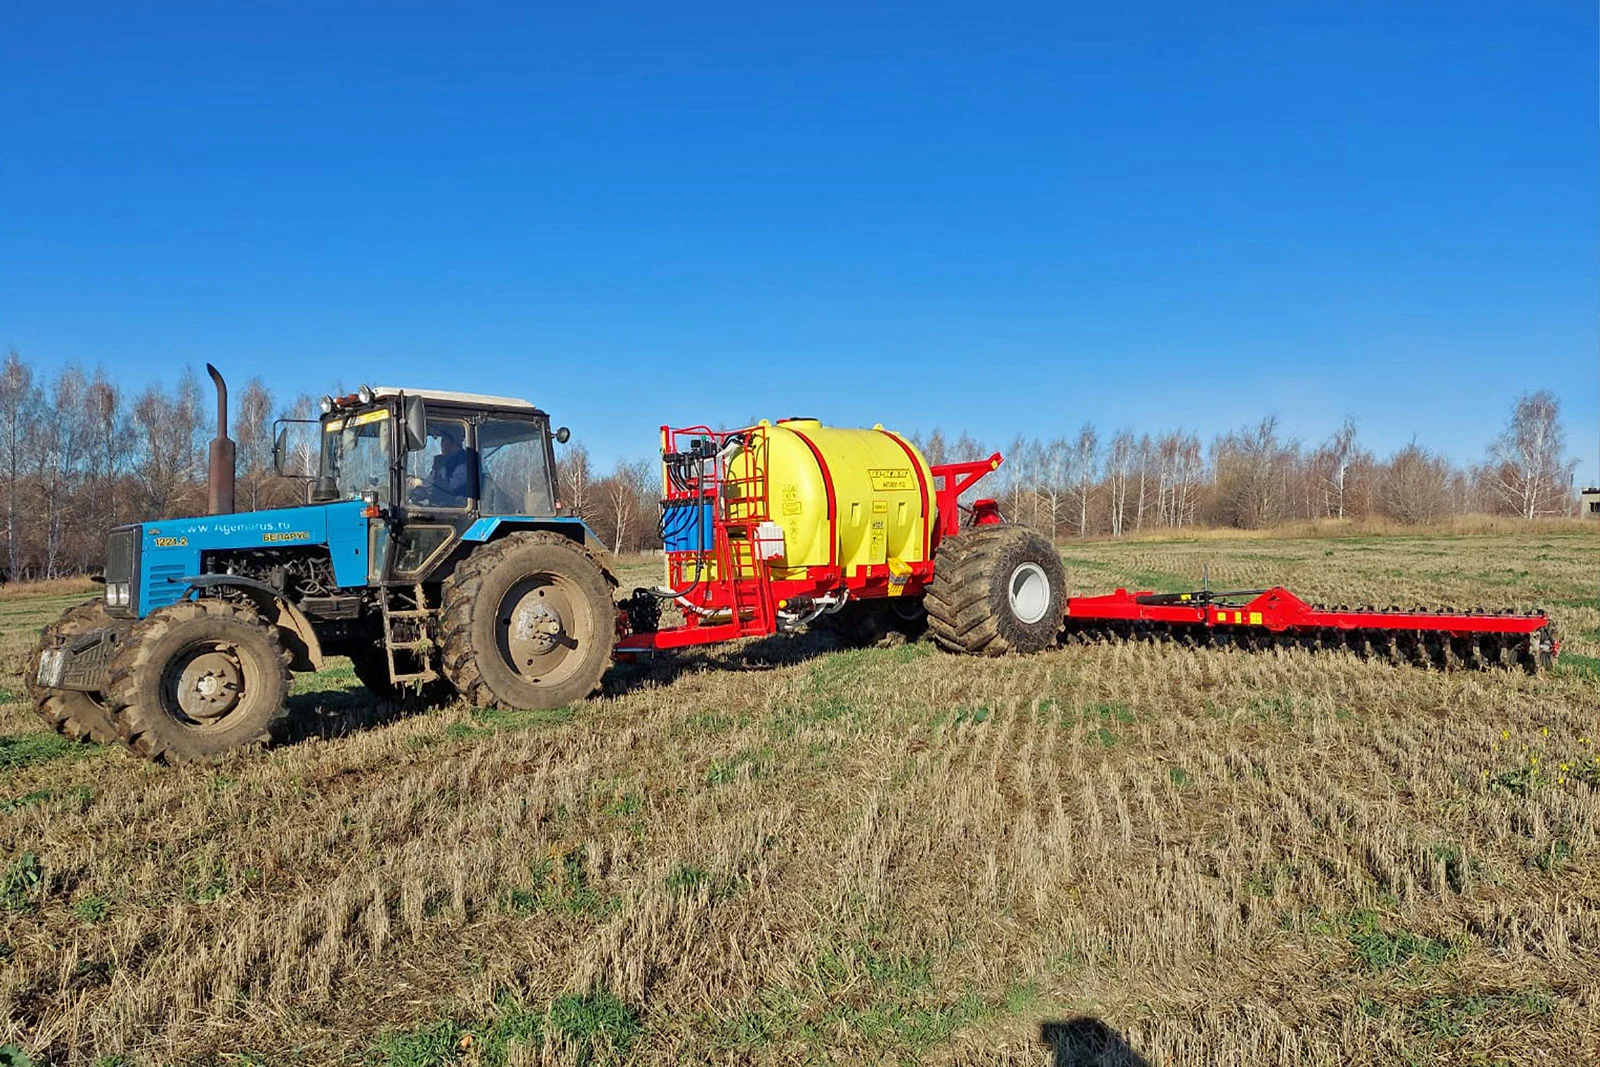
column 543, row 628
column 1029, row 592
column 205, row 684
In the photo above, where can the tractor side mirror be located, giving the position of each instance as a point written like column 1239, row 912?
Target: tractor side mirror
column 563, row 435
column 416, row 423
column 294, row 448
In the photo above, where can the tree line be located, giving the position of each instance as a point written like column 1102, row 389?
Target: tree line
column 80, row 453
column 1255, row 477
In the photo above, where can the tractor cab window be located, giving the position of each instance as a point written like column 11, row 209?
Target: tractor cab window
column 440, row 474
column 514, row 458
column 355, row 454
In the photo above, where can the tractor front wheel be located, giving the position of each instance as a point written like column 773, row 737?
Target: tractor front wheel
column 198, row 680
column 80, row 716
column 528, row 622
column 996, row 589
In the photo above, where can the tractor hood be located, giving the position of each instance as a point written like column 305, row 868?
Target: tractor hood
column 155, row 557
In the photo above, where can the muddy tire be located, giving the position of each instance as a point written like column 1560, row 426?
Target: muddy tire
column 198, row 680
column 80, row 716
column 371, row 666
column 996, row 589
column 528, row 622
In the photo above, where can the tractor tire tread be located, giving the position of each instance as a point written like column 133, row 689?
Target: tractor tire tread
column 72, row 714
column 459, row 598
column 140, row 728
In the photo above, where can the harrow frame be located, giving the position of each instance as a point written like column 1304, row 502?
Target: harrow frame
column 1443, row 637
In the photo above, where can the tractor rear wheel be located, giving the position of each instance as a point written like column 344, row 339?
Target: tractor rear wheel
column 528, row 622
column 80, row 716
column 996, row 589
column 198, row 680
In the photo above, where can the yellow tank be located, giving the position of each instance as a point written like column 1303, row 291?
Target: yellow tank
column 882, row 493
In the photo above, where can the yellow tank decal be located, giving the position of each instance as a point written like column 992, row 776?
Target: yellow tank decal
column 890, row 479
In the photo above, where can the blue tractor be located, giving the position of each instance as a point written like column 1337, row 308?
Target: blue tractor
column 432, row 552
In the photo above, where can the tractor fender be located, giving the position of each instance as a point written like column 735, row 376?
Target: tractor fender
column 295, row 631
column 492, row 527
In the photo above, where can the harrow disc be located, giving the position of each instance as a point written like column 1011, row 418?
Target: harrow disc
column 1429, row 649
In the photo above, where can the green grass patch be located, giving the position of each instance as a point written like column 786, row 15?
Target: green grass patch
column 595, row 1027
column 715, row 722
column 748, row 763
column 624, row 804
column 1555, row 859
column 22, row 750
column 1444, row 1018
column 13, row 1056
column 598, row 1025
column 688, row 880
column 21, row 883
column 526, row 718
column 560, row 883
column 1380, row 949
column 91, row 909
column 78, row 796
column 886, row 1002
column 1106, row 713
column 975, row 716
column 428, row 1045
column 1576, row 665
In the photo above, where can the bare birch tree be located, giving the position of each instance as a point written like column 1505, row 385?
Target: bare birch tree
column 19, row 402
column 1528, row 469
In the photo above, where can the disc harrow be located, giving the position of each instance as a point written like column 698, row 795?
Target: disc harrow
column 1442, row 638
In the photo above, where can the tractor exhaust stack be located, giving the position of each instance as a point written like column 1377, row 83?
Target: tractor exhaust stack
column 220, row 474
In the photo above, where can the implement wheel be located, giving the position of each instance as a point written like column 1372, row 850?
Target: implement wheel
column 198, row 680
column 996, row 589
column 80, row 716
column 528, row 622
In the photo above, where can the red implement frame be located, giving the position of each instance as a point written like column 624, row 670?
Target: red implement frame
column 957, row 479
column 726, row 592
column 1277, row 610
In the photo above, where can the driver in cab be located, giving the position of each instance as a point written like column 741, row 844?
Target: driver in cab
column 449, row 483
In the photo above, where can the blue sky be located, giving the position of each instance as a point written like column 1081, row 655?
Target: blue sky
column 1008, row 218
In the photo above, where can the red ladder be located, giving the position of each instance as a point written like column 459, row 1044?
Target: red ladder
column 748, row 584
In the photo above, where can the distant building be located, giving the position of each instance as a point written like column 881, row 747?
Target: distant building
column 1589, row 503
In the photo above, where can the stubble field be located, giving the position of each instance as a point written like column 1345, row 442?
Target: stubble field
column 787, row 853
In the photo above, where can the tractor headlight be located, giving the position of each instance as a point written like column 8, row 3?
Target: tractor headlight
column 116, row 594
column 326, row 404
column 365, row 394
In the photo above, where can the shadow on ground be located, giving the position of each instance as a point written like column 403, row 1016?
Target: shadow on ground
column 761, row 654
column 1087, row 1042
column 331, row 713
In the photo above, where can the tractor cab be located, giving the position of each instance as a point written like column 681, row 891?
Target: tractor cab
column 444, row 454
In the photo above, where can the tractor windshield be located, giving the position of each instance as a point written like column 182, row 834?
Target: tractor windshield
column 355, row 453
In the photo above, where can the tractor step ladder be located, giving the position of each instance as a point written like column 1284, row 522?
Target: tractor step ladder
column 418, row 649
